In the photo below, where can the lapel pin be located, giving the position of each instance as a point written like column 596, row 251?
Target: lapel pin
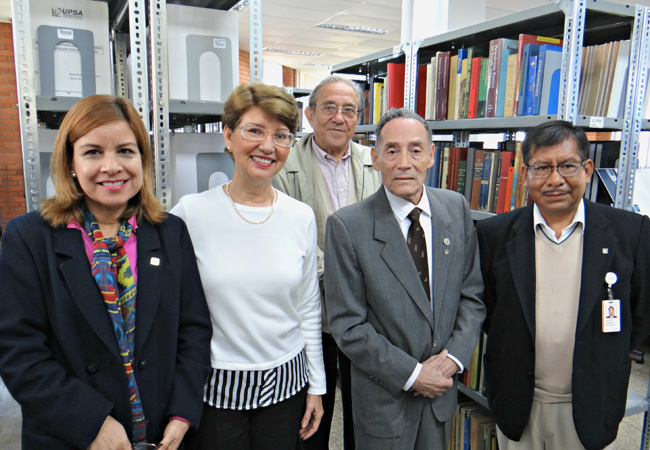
column 605, row 251
column 446, row 241
column 154, row 261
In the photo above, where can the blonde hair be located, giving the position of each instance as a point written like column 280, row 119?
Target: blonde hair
column 86, row 115
column 272, row 100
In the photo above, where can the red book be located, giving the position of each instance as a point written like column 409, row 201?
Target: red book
column 475, row 76
column 395, row 85
column 421, row 99
column 452, row 177
column 511, row 178
column 507, row 160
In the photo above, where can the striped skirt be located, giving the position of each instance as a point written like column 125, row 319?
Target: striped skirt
column 244, row 389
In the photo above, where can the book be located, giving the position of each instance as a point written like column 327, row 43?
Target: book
column 492, row 182
column 394, row 85
column 509, row 101
column 508, row 47
column 531, row 76
column 461, row 84
column 431, row 90
column 482, row 89
column 377, row 101
column 452, row 100
column 492, row 79
column 550, row 93
column 539, row 79
column 616, row 99
column 507, row 161
column 523, row 40
column 476, row 179
column 486, row 168
column 475, row 78
column 529, row 50
column 442, row 84
column 421, row 91
column 469, row 172
column 444, row 177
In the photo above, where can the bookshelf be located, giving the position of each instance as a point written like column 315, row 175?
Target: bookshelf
column 579, row 23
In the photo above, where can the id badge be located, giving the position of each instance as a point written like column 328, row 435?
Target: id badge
column 611, row 316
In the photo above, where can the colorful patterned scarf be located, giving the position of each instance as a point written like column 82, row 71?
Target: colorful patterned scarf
column 112, row 272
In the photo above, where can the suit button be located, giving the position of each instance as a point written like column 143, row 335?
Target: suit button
column 435, row 343
column 142, row 364
column 92, row 369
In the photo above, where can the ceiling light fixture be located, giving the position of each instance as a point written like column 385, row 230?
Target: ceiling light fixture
column 353, row 29
column 292, row 52
column 241, row 4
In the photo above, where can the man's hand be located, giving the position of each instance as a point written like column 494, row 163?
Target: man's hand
column 111, row 436
column 436, row 376
column 313, row 415
column 173, row 435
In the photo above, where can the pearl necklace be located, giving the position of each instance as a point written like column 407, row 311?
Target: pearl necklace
column 232, row 202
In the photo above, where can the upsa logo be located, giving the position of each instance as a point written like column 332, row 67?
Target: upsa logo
column 67, row 13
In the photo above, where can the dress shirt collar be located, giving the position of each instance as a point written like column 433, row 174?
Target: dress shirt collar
column 323, row 157
column 540, row 223
column 401, row 208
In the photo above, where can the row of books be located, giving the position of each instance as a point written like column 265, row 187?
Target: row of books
column 511, row 77
column 473, row 377
column 472, row 427
column 489, row 179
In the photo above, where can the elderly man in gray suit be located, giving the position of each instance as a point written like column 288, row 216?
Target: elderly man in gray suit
column 403, row 293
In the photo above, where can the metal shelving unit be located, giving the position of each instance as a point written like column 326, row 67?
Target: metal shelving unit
column 578, row 23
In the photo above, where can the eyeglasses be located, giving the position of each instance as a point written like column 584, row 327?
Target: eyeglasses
column 253, row 132
column 566, row 170
column 330, row 110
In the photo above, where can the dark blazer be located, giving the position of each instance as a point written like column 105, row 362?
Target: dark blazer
column 58, row 353
column 614, row 241
column 380, row 315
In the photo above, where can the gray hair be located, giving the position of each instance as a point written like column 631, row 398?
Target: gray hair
column 337, row 79
column 401, row 113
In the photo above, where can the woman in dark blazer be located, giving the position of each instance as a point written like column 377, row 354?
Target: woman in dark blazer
column 104, row 328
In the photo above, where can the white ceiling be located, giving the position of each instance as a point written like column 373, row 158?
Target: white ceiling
column 291, row 25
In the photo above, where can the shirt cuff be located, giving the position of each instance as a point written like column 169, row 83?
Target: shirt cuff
column 460, row 364
column 412, row 378
column 182, row 419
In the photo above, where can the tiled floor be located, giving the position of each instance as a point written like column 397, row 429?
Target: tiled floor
column 629, row 435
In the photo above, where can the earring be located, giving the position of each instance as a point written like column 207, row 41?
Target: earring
column 74, row 175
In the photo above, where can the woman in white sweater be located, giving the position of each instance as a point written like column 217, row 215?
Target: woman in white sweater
column 256, row 252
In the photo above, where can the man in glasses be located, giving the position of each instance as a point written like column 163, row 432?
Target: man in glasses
column 328, row 171
column 556, row 367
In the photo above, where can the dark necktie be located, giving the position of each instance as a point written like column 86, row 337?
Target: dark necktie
column 417, row 245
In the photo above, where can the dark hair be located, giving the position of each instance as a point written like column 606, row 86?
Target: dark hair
column 337, row 79
column 272, row 100
column 552, row 133
column 401, row 113
column 86, row 115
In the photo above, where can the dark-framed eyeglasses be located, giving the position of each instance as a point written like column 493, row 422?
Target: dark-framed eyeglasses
column 331, row 109
column 566, row 169
column 254, row 132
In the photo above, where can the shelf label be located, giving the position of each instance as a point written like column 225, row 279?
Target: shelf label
column 219, row 43
column 597, row 122
column 64, row 33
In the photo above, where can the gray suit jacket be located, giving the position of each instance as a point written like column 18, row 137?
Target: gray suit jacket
column 379, row 313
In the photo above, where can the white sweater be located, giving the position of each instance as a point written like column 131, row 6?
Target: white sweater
column 260, row 281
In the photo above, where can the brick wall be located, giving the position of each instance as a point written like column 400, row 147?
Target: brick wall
column 244, row 67
column 288, row 76
column 12, row 183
